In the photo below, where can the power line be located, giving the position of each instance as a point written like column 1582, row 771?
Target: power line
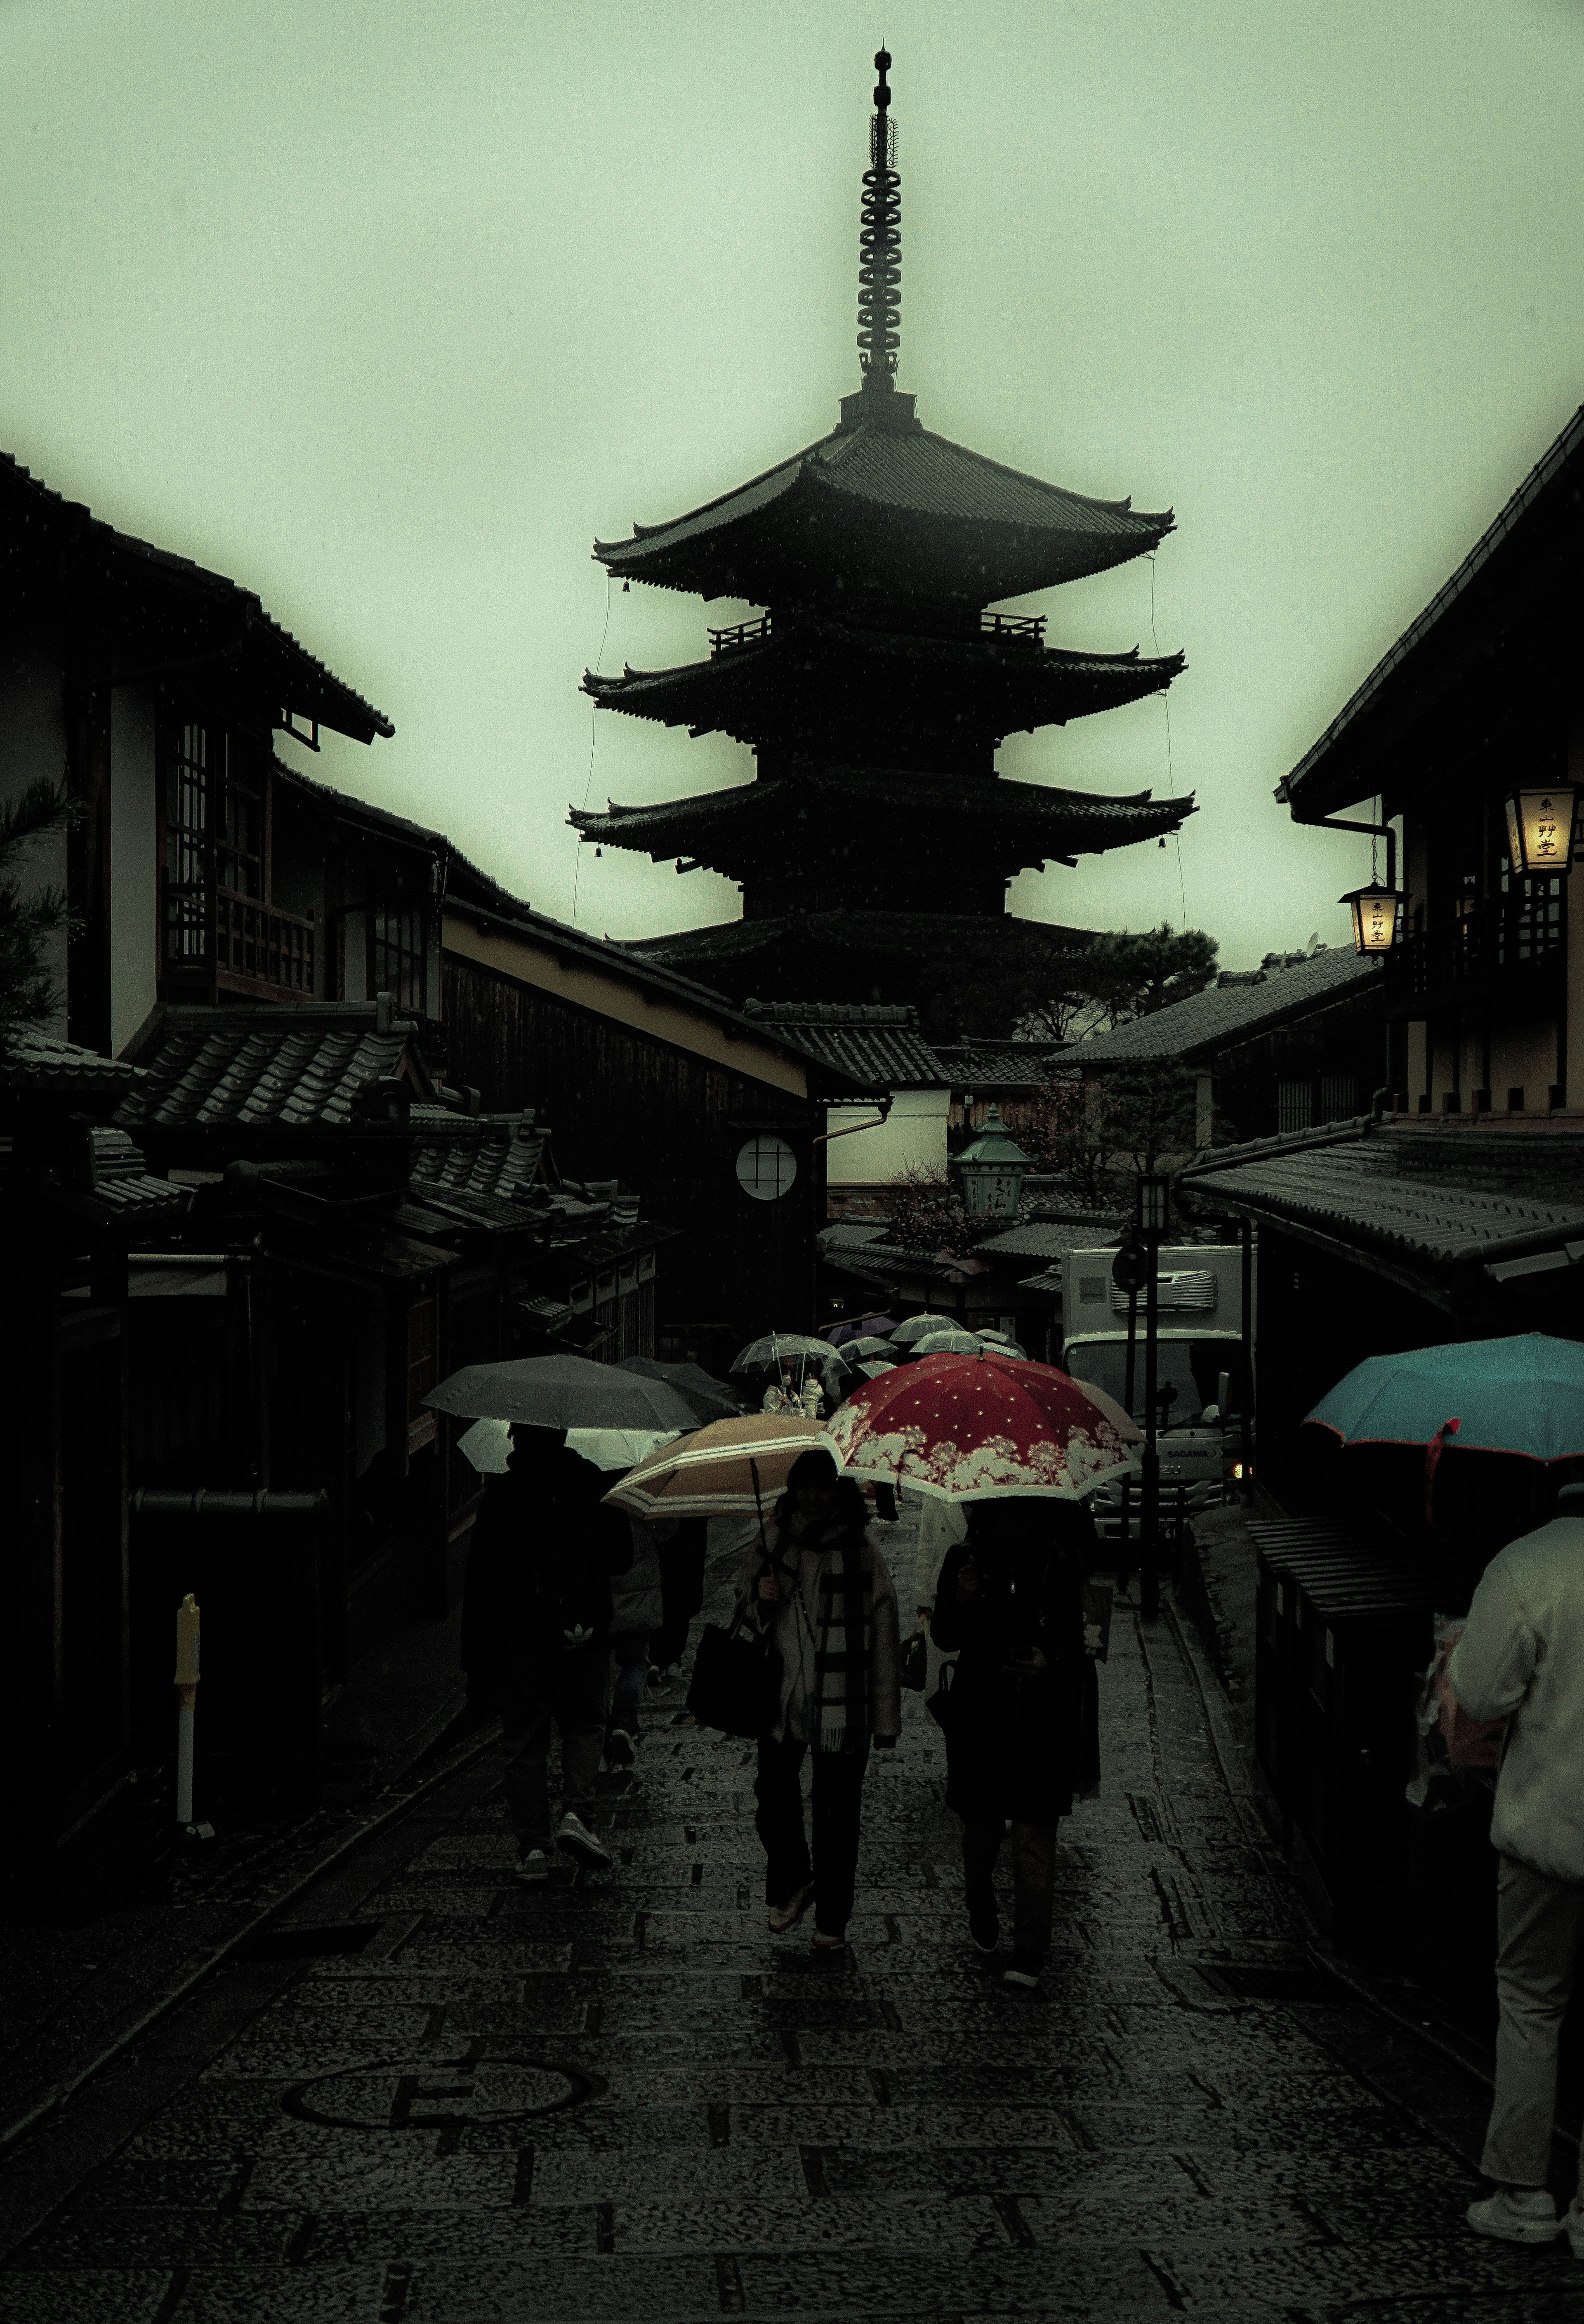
column 593, row 714
column 1170, row 774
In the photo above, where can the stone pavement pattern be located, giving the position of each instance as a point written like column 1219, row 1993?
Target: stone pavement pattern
column 620, row 2098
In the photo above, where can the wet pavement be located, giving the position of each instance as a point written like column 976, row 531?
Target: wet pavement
column 621, row 2097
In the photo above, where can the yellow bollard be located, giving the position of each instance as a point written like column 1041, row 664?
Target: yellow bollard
column 187, row 1678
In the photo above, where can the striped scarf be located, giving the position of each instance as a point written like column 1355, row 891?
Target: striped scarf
column 837, row 1714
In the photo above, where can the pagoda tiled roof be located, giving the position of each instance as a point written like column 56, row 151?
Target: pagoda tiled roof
column 903, row 511
column 1029, row 823
column 822, row 685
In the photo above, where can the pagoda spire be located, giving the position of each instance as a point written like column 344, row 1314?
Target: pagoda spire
column 879, row 246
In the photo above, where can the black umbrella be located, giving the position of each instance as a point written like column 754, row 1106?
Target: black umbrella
column 561, row 1392
column 710, row 1399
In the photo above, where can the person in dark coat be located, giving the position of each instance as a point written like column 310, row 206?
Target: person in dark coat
column 536, row 1623
column 682, row 1564
column 1010, row 1604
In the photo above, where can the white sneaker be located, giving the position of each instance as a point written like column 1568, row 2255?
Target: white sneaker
column 574, row 1838
column 533, row 1864
column 1518, row 2214
column 1573, row 2225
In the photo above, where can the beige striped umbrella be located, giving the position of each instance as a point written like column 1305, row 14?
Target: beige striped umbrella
column 714, row 1471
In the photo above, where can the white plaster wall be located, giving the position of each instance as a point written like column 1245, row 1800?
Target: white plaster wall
column 914, row 1136
column 32, row 743
column 134, row 843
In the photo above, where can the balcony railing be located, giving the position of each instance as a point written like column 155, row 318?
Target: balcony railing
column 738, row 635
column 241, row 943
column 1021, row 629
column 1499, row 949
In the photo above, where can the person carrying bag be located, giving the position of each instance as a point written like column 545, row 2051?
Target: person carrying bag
column 823, row 1603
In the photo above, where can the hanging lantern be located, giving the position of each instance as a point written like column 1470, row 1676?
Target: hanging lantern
column 1377, row 912
column 1539, row 827
column 993, row 1168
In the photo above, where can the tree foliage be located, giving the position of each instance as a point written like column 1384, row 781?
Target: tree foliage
column 927, row 1211
column 1097, row 1137
column 1121, row 976
column 28, row 993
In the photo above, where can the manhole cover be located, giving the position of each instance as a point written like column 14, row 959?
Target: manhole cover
column 438, row 2093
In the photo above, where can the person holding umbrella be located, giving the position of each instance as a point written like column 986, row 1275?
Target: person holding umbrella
column 1010, row 1604
column 820, row 1586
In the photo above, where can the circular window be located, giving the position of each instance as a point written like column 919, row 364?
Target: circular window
column 766, row 1168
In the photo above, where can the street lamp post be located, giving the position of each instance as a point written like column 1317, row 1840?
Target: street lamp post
column 1152, row 1226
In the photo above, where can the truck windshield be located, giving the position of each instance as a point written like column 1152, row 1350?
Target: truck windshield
column 1186, row 1375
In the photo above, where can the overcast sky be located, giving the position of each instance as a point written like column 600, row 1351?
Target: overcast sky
column 389, row 309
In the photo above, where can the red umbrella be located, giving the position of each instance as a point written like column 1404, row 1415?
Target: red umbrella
column 977, row 1428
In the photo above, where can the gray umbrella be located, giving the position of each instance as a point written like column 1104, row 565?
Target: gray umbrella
column 561, row 1392
column 710, row 1399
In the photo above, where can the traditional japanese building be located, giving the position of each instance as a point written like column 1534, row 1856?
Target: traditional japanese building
column 875, row 845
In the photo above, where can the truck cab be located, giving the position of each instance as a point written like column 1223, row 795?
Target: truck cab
column 1202, row 1369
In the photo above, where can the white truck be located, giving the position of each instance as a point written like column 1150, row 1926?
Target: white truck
column 1202, row 1367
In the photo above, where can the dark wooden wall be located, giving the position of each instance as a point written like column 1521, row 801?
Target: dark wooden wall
column 669, row 1127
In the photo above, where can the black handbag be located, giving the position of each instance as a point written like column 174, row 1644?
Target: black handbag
column 939, row 1705
column 735, row 1676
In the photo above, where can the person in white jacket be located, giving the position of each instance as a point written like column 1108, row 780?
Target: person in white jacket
column 1521, row 1657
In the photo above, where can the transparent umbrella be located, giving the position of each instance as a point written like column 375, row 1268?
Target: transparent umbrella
column 798, row 1348
column 951, row 1342
column 917, row 1326
column 561, row 1392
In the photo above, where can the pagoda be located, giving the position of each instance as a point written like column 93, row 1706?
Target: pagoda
column 875, row 843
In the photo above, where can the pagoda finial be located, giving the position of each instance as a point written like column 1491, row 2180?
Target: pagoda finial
column 879, row 246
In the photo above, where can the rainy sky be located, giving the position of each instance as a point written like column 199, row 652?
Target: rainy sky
column 389, row 310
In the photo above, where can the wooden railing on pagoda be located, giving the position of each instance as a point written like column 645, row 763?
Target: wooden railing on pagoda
column 1022, row 629
column 219, row 940
column 738, row 634
column 1496, row 950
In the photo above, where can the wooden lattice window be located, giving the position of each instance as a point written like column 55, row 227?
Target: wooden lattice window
column 399, row 965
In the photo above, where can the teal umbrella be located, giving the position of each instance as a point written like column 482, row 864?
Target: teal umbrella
column 1522, row 1394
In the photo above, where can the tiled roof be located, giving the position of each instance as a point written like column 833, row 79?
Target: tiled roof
column 1028, row 1242
column 35, row 1061
column 1540, row 485
column 845, row 936
column 1048, row 822
column 982, row 1066
column 1421, row 1201
column 1234, row 1009
column 500, row 1155
column 254, row 642
column 291, row 1068
column 880, row 1046
column 889, row 475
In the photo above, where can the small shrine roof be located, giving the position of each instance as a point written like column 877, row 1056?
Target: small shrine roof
column 998, row 532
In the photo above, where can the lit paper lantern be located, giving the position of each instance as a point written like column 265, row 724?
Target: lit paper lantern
column 1377, row 912
column 1539, row 827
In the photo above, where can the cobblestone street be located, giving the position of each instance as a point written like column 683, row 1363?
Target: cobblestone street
column 623, row 2098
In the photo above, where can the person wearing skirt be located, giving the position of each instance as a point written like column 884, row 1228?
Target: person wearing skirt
column 1018, row 1723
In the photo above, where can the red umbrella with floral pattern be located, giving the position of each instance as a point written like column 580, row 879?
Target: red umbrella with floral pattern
column 977, row 1428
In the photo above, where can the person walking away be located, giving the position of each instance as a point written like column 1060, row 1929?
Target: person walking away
column 1009, row 1603
column 536, row 1620
column 829, row 1605
column 635, row 1612
column 682, row 1565
column 1521, row 1657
